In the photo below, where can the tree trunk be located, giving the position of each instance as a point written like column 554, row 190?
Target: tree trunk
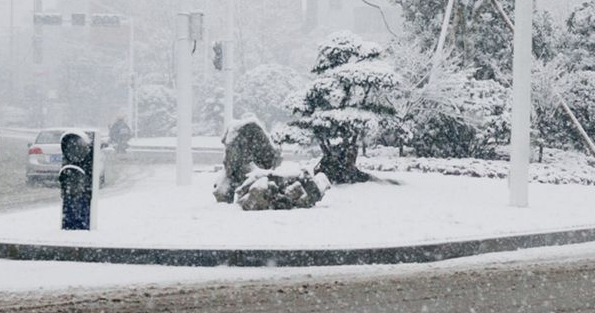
column 340, row 166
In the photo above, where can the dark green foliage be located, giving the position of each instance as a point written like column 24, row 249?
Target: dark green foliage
column 342, row 103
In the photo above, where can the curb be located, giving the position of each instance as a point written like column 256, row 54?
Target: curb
column 293, row 258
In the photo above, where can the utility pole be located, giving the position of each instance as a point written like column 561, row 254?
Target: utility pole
column 11, row 56
column 38, row 66
column 521, row 107
column 228, row 64
column 184, row 97
column 132, row 109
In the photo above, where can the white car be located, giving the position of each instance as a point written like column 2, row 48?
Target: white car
column 45, row 156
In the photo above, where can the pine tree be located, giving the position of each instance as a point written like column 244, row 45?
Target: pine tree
column 581, row 37
column 477, row 33
column 342, row 103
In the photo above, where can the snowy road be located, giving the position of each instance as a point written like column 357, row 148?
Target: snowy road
column 506, row 282
column 15, row 194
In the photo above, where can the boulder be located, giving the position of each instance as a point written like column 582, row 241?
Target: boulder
column 270, row 190
column 247, row 146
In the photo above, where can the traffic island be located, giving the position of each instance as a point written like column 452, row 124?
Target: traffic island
column 426, row 217
column 291, row 258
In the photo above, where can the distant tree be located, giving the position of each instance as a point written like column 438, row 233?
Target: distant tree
column 156, row 110
column 209, row 114
column 477, row 33
column 342, row 103
column 546, row 38
column 262, row 91
column 580, row 41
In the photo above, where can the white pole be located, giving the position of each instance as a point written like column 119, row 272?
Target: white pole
column 184, row 96
column 96, row 174
column 521, row 108
column 11, row 57
column 229, row 64
column 132, row 112
column 442, row 39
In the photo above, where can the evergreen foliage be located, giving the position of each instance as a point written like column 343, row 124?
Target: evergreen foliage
column 476, row 33
column 342, row 103
column 262, row 91
column 156, row 110
column 451, row 115
column 581, row 37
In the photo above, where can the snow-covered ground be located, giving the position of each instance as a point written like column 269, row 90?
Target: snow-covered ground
column 31, row 276
column 425, row 208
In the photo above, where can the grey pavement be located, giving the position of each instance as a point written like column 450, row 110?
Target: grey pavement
column 552, row 286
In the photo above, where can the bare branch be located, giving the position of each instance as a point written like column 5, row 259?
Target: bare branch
column 383, row 15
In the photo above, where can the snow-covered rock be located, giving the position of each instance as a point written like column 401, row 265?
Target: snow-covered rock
column 281, row 190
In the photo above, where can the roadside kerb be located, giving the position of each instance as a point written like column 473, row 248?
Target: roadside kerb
column 293, row 258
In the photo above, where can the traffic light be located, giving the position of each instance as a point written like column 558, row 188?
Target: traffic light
column 48, row 19
column 78, row 19
column 105, row 20
column 197, row 25
column 218, row 56
column 76, row 180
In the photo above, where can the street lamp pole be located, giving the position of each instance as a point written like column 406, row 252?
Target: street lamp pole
column 11, row 55
column 184, row 97
column 132, row 109
column 521, row 107
column 228, row 64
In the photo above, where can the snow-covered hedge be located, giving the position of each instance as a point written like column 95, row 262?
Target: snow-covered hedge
column 558, row 167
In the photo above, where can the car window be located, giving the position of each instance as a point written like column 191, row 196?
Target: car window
column 50, row 137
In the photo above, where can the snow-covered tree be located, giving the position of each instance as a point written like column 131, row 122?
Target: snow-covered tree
column 343, row 102
column 580, row 39
column 208, row 118
column 262, row 91
column 477, row 33
column 546, row 37
column 551, row 125
column 451, row 115
column 156, row 110
column 578, row 94
column 547, row 118
column 473, row 125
